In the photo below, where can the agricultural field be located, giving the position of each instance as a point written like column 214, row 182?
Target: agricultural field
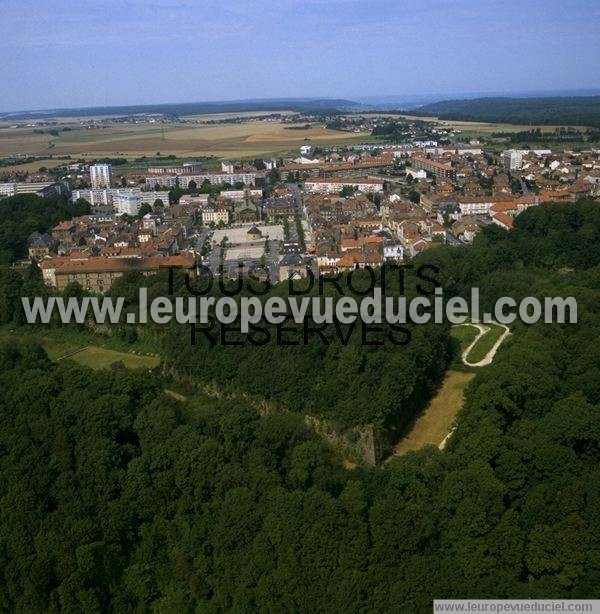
column 253, row 138
column 32, row 167
column 189, row 139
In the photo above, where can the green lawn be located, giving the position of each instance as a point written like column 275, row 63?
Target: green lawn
column 56, row 348
column 486, row 343
column 82, row 338
column 437, row 419
column 101, row 358
column 85, row 349
column 465, row 334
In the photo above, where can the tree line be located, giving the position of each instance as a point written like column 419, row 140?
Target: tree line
column 25, row 213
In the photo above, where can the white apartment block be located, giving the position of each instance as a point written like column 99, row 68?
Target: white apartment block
column 475, row 206
column 217, row 178
column 150, row 198
column 170, row 181
column 128, row 204
column 102, row 199
column 162, row 181
column 512, row 159
column 23, row 187
column 7, row 189
column 240, row 194
column 96, row 197
column 100, row 176
column 335, row 184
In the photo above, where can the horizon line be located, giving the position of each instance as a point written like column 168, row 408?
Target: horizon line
column 546, row 93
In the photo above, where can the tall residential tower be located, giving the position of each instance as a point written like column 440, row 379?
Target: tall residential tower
column 100, row 176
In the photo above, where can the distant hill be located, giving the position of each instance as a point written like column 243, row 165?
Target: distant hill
column 303, row 105
column 564, row 110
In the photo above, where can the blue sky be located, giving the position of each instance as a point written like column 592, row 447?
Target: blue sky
column 60, row 53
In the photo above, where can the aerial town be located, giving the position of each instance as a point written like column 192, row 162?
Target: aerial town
column 299, row 307
column 327, row 209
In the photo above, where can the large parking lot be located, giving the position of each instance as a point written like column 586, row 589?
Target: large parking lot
column 245, row 252
column 241, row 249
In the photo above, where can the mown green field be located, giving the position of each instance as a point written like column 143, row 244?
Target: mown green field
column 102, row 358
column 485, row 344
column 82, row 347
column 435, row 422
column 465, row 334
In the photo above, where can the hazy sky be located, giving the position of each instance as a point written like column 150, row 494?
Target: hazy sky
column 60, row 53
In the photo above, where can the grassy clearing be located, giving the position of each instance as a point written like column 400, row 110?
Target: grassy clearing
column 101, row 358
column 438, row 417
column 56, row 348
column 88, row 349
column 176, row 395
column 485, row 344
column 83, row 338
column 95, row 356
column 465, row 334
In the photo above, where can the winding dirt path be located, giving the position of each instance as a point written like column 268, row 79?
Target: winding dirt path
column 487, row 359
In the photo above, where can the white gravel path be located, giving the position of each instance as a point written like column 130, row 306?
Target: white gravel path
column 487, row 359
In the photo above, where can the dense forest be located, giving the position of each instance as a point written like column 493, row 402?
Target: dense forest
column 341, row 373
column 117, row 497
column 563, row 110
column 25, row 213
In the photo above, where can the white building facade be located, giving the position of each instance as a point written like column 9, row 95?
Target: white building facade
column 328, row 186
column 126, row 204
column 119, row 198
column 100, row 176
column 512, row 159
